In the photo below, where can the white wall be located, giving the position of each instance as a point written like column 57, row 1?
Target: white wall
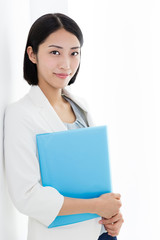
column 41, row 7
column 11, row 41
column 120, row 79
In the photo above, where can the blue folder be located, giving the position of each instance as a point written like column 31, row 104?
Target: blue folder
column 76, row 163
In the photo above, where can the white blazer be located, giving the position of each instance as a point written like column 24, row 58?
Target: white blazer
column 31, row 115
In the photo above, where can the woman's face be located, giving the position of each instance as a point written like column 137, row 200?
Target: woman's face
column 57, row 59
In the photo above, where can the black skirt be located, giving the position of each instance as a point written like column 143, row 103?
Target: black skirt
column 105, row 236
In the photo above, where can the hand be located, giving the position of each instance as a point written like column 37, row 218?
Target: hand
column 113, row 225
column 108, row 205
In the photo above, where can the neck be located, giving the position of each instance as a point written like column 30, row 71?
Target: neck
column 53, row 95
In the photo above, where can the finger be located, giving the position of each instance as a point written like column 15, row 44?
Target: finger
column 113, row 219
column 114, row 227
column 113, row 233
column 117, row 195
column 111, row 227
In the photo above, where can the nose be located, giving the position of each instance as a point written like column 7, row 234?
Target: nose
column 64, row 63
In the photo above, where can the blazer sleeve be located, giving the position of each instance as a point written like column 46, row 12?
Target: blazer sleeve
column 22, row 170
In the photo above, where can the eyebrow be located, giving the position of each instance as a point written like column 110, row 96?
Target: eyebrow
column 56, row 46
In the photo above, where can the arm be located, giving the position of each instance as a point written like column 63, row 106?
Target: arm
column 22, row 168
column 107, row 205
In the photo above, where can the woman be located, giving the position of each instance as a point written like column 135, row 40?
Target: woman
column 51, row 62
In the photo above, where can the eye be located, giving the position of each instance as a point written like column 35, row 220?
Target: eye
column 55, row 52
column 75, row 53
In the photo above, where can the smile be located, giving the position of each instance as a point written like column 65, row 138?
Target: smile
column 62, row 75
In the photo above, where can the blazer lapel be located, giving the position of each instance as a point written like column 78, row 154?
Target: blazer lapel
column 81, row 103
column 48, row 113
column 54, row 122
column 46, row 110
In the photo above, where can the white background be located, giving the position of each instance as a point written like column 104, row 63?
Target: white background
column 119, row 78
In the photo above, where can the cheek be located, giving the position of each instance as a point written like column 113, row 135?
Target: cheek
column 46, row 65
column 75, row 64
column 44, row 61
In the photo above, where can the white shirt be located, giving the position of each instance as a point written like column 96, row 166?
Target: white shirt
column 33, row 115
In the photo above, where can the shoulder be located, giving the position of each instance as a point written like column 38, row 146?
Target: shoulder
column 19, row 114
column 19, row 122
column 18, row 108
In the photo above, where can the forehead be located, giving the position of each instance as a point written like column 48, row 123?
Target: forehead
column 62, row 38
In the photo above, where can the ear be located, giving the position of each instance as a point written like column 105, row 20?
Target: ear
column 32, row 56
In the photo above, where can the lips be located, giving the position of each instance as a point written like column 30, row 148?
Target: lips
column 62, row 75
